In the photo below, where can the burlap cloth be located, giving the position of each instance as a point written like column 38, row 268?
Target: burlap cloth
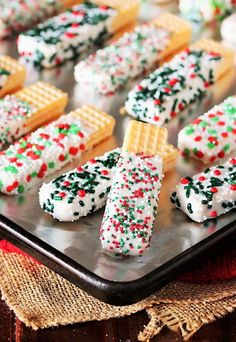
column 41, row 298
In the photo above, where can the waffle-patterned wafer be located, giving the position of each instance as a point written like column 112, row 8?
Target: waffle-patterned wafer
column 212, row 135
column 85, row 189
column 135, row 52
column 132, row 201
column 169, row 158
column 49, row 148
column 66, row 36
column 180, row 82
column 145, row 138
column 208, row 194
column 17, row 16
column 28, row 109
column 12, row 75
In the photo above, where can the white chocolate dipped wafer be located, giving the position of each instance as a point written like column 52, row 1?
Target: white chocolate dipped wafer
column 85, row 189
column 18, row 16
column 208, row 194
column 132, row 202
column 49, row 148
column 28, row 109
column 12, row 75
column 178, row 83
column 212, row 135
column 135, row 52
column 67, row 35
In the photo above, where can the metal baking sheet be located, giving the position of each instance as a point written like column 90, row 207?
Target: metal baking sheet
column 74, row 250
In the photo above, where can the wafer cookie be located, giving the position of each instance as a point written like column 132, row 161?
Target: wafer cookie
column 212, row 135
column 18, row 16
column 208, row 194
column 67, row 35
column 12, row 75
column 178, row 83
column 135, row 52
column 85, row 189
column 28, row 109
column 132, row 201
column 49, row 148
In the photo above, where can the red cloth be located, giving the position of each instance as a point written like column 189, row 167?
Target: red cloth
column 220, row 267
column 10, row 248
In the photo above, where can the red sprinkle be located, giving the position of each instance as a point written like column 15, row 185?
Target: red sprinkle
column 81, row 193
column 233, row 187
column 73, row 150
column 213, row 213
column 184, row 181
column 214, row 190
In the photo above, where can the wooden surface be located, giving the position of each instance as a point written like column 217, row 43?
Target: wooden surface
column 114, row 330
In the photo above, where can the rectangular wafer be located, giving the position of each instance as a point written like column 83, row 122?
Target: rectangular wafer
column 18, row 16
column 135, row 52
column 131, row 206
column 180, row 82
column 49, row 148
column 12, row 75
column 66, row 36
column 28, row 109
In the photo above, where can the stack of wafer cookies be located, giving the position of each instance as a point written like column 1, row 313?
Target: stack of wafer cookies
column 49, row 148
column 178, row 83
column 28, row 109
column 135, row 52
column 66, row 36
column 12, row 75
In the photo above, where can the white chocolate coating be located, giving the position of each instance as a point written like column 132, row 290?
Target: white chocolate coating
column 81, row 191
column 212, row 135
column 41, row 153
column 208, row 194
column 132, row 205
column 65, row 36
column 172, row 87
column 110, row 68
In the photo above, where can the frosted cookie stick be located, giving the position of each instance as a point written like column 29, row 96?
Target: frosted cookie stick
column 18, row 16
column 85, row 189
column 65, row 36
column 176, row 84
column 132, row 202
column 49, row 148
column 28, row 109
column 12, row 75
column 211, row 136
column 111, row 67
column 208, row 194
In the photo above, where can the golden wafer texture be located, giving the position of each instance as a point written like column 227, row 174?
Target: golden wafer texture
column 180, row 30
column 47, row 101
column 169, row 158
column 145, row 138
column 227, row 54
column 17, row 75
column 94, row 118
column 127, row 11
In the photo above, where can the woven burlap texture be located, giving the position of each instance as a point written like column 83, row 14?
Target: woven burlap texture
column 41, row 298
